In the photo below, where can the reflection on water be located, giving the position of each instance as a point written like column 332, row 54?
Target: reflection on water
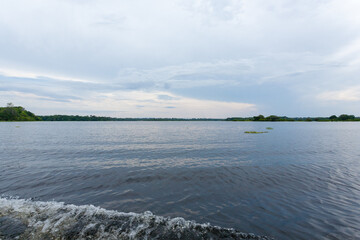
column 301, row 180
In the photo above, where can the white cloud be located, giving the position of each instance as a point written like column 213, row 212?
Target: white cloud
column 132, row 104
column 59, row 96
column 348, row 95
column 127, row 103
column 160, row 45
column 25, row 74
column 349, row 55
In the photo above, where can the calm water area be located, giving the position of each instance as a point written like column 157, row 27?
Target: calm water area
column 300, row 180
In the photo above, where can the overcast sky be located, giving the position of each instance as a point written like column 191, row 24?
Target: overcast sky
column 181, row 58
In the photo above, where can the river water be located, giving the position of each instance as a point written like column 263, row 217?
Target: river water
column 301, row 180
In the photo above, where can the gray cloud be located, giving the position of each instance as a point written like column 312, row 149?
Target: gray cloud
column 166, row 97
column 184, row 47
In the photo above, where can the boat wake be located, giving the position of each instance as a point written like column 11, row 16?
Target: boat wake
column 27, row 219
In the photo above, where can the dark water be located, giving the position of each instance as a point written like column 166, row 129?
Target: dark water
column 299, row 181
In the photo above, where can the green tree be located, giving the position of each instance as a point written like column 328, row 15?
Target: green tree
column 345, row 117
column 273, row 118
column 259, row 118
column 333, row 117
column 12, row 113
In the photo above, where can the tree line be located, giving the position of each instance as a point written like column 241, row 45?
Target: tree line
column 95, row 118
column 274, row 118
column 18, row 113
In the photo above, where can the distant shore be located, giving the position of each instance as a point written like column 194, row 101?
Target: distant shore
column 271, row 118
column 12, row 113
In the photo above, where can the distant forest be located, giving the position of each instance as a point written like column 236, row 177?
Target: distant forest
column 95, row 118
column 274, row 118
column 17, row 113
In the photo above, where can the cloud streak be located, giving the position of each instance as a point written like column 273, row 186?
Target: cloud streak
column 66, row 97
column 277, row 56
column 347, row 95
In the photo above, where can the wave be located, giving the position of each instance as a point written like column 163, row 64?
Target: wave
column 28, row 219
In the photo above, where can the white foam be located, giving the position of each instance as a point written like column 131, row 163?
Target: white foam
column 56, row 219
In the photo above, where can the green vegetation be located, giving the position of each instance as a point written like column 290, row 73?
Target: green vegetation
column 95, row 118
column 12, row 113
column 75, row 118
column 344, row 117
column 271, row 118
column 17, row 113
column 269, row 128
column 254, row 132
column 274, row 118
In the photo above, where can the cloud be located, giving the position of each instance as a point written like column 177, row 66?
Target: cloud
column 166, row 97
column 58, row 96
column 349, row 55
column 206, row 50
column 31, row 75
column 347, row 95
column 152, row 106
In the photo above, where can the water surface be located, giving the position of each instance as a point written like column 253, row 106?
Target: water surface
column 299, row 181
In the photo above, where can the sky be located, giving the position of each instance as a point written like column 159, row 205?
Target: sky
column 181, row 58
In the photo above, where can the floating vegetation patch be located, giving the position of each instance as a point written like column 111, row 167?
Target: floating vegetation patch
column 269, row 128
column 254, row 132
